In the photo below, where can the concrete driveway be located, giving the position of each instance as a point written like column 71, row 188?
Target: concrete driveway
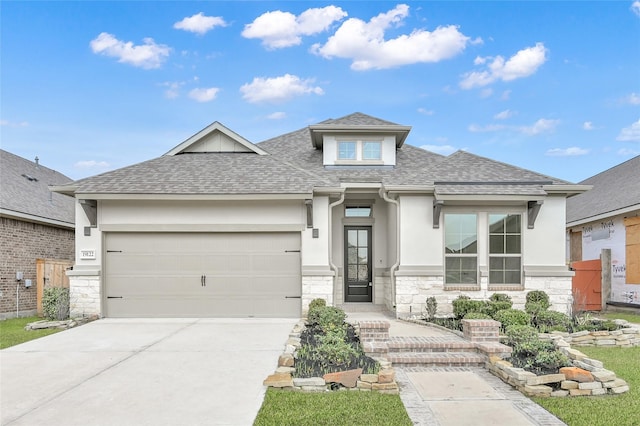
column 142, row 372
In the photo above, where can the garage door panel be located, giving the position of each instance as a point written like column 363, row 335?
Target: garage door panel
column 160, row 275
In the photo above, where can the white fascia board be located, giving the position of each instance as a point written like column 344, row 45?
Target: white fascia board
column 221, row 128
column 194, row 197
column 69, row 190
column 318, row 130
column 404, row 189
column 568, row 189
column 604, row 215
column 36, row 219
column 462, row 198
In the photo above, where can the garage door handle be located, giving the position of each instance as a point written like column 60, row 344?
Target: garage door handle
column 293, row 297
column 114, row 297
column 203, row 280
column 292, row 251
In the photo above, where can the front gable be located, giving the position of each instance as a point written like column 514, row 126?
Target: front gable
column 216, row 138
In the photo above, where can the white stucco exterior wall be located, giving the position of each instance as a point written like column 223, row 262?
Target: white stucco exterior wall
column 545, row 244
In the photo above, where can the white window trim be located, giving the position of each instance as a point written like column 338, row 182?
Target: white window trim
column 359, row 151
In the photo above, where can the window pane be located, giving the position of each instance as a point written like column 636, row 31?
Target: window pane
column 496, row 277
column 352, row 255
column 461, row 233
column 346, row 150
column 371, row 150
column 496, row 244
column 513, row 224
column 496, row 223
column 363, row 254
column 512, row 277
column 362, row 238
column 357, row 211
column 353, row 273
column 513, row 244
column 496, row 263
column 352, row 237
column 512, row 263
column 363, row 273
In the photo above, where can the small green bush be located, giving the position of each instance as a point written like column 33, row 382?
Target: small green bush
column 547, row 321
column 492, row 307
column 462, row 305
column 532, row 353
column 501, row 297
column 537, row 301
column 333, row 348
column 477, row 315
column 330, row 318
column 509, row 317
column 517, row 334
column 317, row 303
column 55, row 303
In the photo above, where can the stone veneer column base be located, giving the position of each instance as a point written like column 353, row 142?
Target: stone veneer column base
column 316, row 287
column 84, row 295
column 413, row 291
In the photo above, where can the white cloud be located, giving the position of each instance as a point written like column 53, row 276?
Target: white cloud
column 92, row 164
column 633, row 99
column 204, row 94
column 523, row 64
column 588, row 125
column 566, row 152
column 631, row 133
column 200, row 23
column 173, row 88
column 541, row 126
column 505, row 95
column 279, row 29
column 148, row 55
column 440, row 149
column 503, row 115
column 279, row 115
column 13, row 123
column 635, row 7
column 364, row 42
column 474, row 128
column 629, row 152
column 425, row 111
column 486, row 93
column 278, row 89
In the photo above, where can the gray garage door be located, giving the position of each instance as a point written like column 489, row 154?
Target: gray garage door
column 202, row 275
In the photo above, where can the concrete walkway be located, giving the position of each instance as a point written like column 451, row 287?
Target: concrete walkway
column 142, row 372
column 456, row 396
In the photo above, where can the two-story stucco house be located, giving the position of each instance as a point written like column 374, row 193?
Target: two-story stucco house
column 344, row 210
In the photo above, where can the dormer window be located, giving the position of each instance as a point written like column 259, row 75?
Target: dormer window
column 359, row 151
column 346, row 150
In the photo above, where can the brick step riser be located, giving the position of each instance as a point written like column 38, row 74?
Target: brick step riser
column 438, row 364
column 433, row 350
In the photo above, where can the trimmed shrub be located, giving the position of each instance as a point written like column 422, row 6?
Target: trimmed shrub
column 531, row 353
column 462, row 305
column 55, row 303
column 509, row 317
column 501, row 297
column 537, row 301
column 547, row 321
column 317, row 303
column 330, row 318
column 492, row 307
column 517, row 334
column 477, row 315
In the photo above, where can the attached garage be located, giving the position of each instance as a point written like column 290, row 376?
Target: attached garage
column 160, row 274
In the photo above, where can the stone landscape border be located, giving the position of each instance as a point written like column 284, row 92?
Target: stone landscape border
column 382, row 382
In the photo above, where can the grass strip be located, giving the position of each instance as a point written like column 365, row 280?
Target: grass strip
column 331, row 408
column 619, row 410
column 12, row 331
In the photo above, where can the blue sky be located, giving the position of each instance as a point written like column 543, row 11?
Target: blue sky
column 549, row 86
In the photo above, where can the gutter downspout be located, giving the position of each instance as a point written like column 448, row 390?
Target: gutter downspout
column 333, row 267
column 394, row 267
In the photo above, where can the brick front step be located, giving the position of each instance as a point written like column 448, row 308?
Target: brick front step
column 430, row 344
column 435, row 359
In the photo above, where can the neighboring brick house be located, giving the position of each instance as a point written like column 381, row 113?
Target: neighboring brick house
column 34, row 223
column 608, row 217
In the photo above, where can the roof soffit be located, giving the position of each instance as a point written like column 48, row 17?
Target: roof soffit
column 318, row 131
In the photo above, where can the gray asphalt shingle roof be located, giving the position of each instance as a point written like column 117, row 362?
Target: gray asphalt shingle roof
column 24, row 189
column 295, row 166
column 613, row 189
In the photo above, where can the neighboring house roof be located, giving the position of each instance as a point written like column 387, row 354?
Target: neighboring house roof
column 25, row 194
column 294, row 166
column 615, row 191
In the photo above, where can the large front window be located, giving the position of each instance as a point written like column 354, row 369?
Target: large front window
column 461, row 249
column 505, row 249
column 346, row 150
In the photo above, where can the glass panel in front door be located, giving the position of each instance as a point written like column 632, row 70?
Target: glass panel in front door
column 358, row 264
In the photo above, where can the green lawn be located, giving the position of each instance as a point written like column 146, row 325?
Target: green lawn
column 12, row 331
column 283, row 408
column 619, row 410
column 620, row 315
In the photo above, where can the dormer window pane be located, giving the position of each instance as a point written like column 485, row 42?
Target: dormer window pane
column 346, row 150
column 358, row 211
column 371, row 151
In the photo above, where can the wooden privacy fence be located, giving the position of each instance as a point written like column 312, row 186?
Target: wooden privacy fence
column 50, row 273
